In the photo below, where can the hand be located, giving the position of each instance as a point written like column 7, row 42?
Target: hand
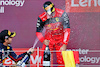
column 46, row 42
column 63, row 48
column 30, row 50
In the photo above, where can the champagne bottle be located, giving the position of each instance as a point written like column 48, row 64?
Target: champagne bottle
column 47, row 57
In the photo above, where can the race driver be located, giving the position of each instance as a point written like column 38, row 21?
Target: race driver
column 6, row 50
column 56, row 23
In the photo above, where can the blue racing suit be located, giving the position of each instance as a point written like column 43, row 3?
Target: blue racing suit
column 6, row 51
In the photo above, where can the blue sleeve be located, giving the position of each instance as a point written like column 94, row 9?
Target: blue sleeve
column 16, row 58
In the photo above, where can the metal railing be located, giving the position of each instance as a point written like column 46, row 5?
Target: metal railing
column 37, row 65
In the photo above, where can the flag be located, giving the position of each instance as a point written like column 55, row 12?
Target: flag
column 69, row 58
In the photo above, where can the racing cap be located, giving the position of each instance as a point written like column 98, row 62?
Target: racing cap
column 49, row 7
column 5, row 34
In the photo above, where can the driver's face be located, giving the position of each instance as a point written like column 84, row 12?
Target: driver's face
column 9, row 40
column 51, row 15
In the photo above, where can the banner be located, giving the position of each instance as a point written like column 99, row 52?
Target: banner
column 82, row 5
column 86, row 57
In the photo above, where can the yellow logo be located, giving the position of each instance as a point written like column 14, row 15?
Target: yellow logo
column 57, row 19
column 54, row 29
column 49, row 25
column 9, row 33
column 8, row 47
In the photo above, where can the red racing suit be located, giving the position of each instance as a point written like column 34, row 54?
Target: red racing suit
column 57, row 31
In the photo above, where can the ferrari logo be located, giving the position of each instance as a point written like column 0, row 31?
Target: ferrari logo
column 57, row 19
